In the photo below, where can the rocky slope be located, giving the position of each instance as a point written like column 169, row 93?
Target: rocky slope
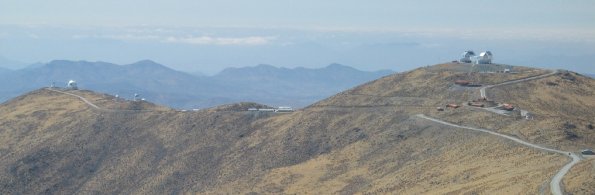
column 364, row 140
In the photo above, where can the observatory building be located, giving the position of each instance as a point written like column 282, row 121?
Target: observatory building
column 71, row 85
column 466, row 56
column 484, row 58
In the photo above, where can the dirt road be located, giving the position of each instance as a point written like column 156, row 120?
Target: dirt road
column 483, row 89
column 556, row 180
column 95, row 106
column 78, row 96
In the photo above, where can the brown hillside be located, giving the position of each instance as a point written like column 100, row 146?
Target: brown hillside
column 364, row 140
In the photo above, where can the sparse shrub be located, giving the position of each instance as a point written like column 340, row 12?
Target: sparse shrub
column 568, row 125
column 570, row 135
column 551, row 83
column 568, row 76
column 590, row 126
column 136, row 105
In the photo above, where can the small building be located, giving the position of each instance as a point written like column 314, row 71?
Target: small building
column 526, row 114
column 266, row 110
column 252, row 109
column 462, row 82
column 72, row 85
column 476, row 104
column 467, row 56
column 485, row 57
column 507, row 107
column 284, row 109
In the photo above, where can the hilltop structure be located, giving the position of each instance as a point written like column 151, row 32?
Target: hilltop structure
column 467, row 56
column 470, row 57
column 72, row 85
column 484, row 58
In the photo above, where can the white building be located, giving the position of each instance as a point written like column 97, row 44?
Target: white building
column 284, row 109
column 266, row 110
column 484, row 58
column 466, row 56
column 72, row 85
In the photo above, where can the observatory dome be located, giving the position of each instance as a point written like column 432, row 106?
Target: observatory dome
column 71, row 84
column 466, row 56
column 486, row 53
column 485, row 58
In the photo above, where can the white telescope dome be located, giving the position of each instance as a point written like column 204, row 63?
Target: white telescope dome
column 486, row 54
column 466, row 56
column 485, row 57
column 71, row 84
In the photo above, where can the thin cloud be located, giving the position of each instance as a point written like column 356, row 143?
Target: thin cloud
column 537, row 34
column 33, row 35
column 194, row 40
column 121, row 37
column 208, row 40
column 132, row 37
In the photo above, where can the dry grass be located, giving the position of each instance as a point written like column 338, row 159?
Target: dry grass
column 363, row 140
column 581, row 178
column 432, row 160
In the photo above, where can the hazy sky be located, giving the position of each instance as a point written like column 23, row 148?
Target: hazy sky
column 176, row 31
column 305, row 13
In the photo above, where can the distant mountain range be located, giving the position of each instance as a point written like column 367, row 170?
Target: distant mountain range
column 265, row 84
column 591, row 75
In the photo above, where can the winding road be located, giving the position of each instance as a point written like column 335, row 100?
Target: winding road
column 78, row 96
column 556, row 180
column 483, row 89
column 95, row 106
column 555, row 187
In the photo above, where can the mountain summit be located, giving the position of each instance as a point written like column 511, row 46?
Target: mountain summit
column 148, row 64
